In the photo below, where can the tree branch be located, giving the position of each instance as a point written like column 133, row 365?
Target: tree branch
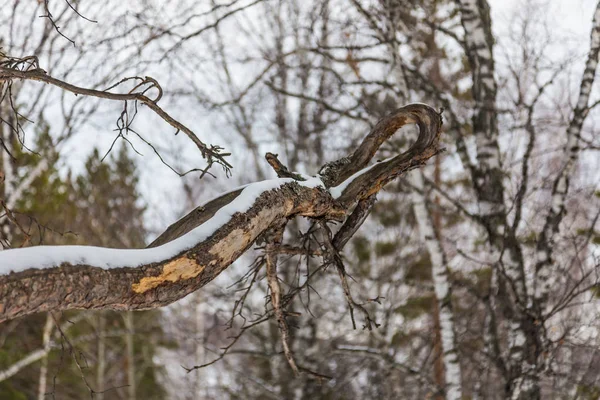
column 27, row 68
column 196, row 249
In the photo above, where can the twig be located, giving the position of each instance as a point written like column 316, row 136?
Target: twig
column 334, row 257
column 280, row 169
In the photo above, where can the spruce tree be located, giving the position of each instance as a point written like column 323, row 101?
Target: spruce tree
column 100, row 207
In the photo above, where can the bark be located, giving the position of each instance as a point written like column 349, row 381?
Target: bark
column 22, row 363
column 44, row 367
column 40, row 168
column 487, row 174
column 68, row 286
column 8, row 176
column 443, row 290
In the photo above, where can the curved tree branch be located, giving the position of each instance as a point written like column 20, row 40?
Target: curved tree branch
column 196, row 249
column 27, row 68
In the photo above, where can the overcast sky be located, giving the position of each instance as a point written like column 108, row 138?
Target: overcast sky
column 570, row 16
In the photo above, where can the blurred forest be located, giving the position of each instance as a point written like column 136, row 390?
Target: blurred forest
column 481, row 270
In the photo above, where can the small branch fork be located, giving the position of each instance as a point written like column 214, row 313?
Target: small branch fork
column 28, row 68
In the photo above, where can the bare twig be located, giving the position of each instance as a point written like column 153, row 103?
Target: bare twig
column 334, row 257
column 27, row 68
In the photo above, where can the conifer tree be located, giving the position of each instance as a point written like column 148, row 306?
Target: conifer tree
column 100, row 207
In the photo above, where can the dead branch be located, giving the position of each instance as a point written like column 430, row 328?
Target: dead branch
column 214, row 241
column 274, row 241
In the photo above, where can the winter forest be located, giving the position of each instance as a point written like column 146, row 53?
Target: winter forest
column 299, row 199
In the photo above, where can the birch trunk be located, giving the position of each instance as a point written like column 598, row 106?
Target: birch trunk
column 443, row 293
column 523, row 381
column 8, row 176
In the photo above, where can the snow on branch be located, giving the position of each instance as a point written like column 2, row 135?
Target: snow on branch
column 18, row 260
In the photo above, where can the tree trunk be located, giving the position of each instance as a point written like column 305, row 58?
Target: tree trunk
column 443, row 291
column 128, row 317
column 488, row 183
column 44, row 367
column 8, row 180
column 101, row 355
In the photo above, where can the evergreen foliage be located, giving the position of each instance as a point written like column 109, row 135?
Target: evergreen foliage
column 98, row 206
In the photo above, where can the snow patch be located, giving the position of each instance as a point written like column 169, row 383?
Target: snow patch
column 337, row 191
column 17, row 260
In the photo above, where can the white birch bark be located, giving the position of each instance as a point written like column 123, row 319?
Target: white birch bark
column 12, row 198
column 488, row 183
column 9, row 179
column 101, row 324
column 44, row 367
column 443, row 292
column 13, row 194
column 479, row 45
column 22, row 363
column 131, row 384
